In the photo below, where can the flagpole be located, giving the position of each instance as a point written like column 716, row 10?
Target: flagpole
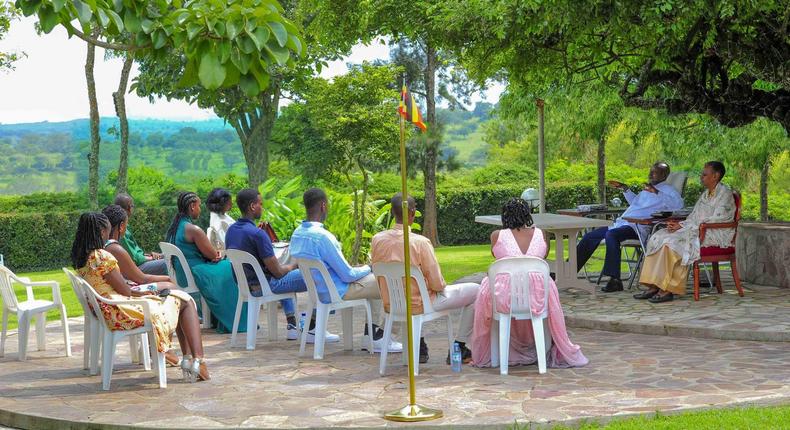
column 411, row 412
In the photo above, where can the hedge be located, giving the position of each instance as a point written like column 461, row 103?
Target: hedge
column 35, row 241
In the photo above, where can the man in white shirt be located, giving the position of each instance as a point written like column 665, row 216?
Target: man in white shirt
column 656, row 196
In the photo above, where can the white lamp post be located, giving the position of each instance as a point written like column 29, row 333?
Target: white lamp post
column 531, row 196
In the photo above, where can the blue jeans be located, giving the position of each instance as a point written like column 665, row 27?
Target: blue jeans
column 292, row 282
column 613, row 238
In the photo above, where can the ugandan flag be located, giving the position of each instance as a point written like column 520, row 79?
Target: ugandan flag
column 408, row 109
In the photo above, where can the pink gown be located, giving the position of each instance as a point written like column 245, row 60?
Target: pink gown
column 563, row 352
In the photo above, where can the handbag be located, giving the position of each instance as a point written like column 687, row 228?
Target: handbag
column 267, row 227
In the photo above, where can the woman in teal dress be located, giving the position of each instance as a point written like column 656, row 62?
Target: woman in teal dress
column 213, row 275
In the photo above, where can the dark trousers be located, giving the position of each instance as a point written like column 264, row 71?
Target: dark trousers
column 613, row 237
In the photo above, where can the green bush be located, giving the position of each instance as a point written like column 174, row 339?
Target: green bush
column 43, row 202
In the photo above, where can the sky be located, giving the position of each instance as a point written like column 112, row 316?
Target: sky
column 49, row 83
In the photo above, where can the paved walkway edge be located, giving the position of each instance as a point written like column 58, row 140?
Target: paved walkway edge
column 582, row 321
column 35, row 422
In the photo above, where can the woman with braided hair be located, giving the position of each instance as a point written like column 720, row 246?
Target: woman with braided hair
column 213, row 275
column 519, row 238
column 171, row 313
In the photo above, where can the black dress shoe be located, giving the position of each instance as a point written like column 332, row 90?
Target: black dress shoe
column 645, row 295
column 613, row 285
column 661, row 299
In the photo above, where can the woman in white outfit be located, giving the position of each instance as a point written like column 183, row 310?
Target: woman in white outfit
column 669, row 252
column 219, row 203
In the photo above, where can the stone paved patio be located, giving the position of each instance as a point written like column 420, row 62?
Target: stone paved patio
column 272, row 387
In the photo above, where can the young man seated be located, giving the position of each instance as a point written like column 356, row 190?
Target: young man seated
column 387, row 247
column 312, row 241
column 148, row 263
column 245, row 236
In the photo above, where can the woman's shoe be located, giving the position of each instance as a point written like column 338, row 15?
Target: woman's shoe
column 186, row 368
column 661, row 299
column 645, row 294
column 172, row 360
column 199, row 370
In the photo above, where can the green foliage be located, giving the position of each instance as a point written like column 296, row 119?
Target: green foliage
column 42, row 202
column 8, row 13
column 282, row 206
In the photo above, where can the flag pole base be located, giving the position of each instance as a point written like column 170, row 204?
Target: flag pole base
column 413, row 413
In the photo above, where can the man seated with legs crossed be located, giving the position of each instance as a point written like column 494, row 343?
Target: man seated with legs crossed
column 148, row 263
column 245, row 236
column 387, row 246
column 312, row 241
column 656, row 196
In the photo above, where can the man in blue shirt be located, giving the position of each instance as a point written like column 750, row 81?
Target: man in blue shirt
column 312, row 241
column 657, row 196
column 282, row 278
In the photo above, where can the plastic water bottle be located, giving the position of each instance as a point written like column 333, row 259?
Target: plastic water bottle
column 302, row 318
column 455, row 358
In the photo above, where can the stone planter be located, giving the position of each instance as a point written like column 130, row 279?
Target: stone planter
column 763, row 253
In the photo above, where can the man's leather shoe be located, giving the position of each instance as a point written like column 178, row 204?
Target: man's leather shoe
column 661, row 299
column 613, row 285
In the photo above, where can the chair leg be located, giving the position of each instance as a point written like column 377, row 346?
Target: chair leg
column 735, row 277
column 305, row 329
column 322, row 315
column 134, row 350
column 540, row 343
column 387, row 335
column 416, row 329
column 716, row 277
column 253, row 312
column 87, row 341
column 97, row 335
column 271, row 313
column 450, row 338
column 108, row 354
column 159, row 363
column 4, row 333
column 635, row 274
column 504, row 344
column 696, row 281
column 347, row 316
column 369, row 325
column 66, row 336
column 145, row 343
column 23, row 333
column 236, row 318
column 494, row 342
column 206, row 312
column 41, row 332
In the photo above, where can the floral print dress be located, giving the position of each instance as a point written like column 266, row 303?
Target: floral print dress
column 164, row 314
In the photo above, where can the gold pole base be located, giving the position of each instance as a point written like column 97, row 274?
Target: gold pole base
column 413, row 413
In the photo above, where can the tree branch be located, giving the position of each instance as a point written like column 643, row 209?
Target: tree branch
column 103, row 44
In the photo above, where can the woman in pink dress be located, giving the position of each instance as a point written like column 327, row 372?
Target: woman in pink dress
column 517, row 239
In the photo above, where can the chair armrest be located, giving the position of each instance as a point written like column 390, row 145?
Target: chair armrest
column 30, row 284
column 714, row 225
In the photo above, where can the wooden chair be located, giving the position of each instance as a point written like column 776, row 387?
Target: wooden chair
column 716, row 255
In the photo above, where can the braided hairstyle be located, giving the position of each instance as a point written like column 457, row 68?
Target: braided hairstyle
column 88, row 237
column 184, row 200
column 116, row 215
column 516, row 214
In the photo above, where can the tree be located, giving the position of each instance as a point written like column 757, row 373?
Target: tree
column 347, row 128
column 8, row 13
column 223, row 44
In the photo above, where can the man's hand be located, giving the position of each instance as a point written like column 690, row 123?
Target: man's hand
column 673, row 226
column 650, row 189
column 156, row 256
column 618, row 185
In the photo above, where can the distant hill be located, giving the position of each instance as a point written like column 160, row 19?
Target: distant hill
column 52, row 156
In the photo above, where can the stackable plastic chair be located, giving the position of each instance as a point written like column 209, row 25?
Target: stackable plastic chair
column 238, row 259
column 170, row 251
column 28, row 310
column 110, row 338
column 519, row 270
column 394, row 275
column 309, row 269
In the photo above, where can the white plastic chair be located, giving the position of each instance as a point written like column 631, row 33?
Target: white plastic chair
column 170, row 251
column 678, row 181
column 394, row 275
column 307, row 266
column 238, row 259
column 28, row 310
column 110, row 338
column 518, row 268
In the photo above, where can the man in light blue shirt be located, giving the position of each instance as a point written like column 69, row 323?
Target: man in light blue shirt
column 312, row 241
column 657, row 196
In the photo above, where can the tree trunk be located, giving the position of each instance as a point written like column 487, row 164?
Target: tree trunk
column 429, row 219
column 254, row 130
column 93, row 157
column 764, row 189
column 119, row 97
column 602, row 170
column 360, row 202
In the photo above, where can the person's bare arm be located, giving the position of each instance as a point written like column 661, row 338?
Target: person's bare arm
column 116, row 281
column 129, row 270
column 196, row 235
column 276, row 269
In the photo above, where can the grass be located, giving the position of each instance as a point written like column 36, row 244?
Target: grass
column 774, row 417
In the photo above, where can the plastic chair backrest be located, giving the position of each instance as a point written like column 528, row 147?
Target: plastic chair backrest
column 169, row 251
column 238, row 259
column 519, row 270
column 307, row 266
column 678, row 181
column 394, row 274
column 6, row 290
column 76, row 285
